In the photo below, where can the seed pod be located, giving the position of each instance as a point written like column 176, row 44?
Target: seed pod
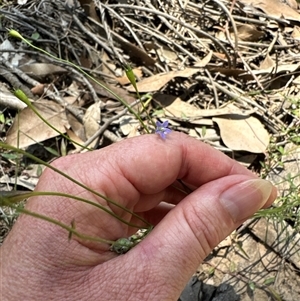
column 121, row 246
column 21, row 95
column 15, row 34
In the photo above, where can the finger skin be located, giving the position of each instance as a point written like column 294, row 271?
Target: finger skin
column 142, row 168
column 138, row 173
column 166, row 259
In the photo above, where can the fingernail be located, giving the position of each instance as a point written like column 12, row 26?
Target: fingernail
column 244, row 199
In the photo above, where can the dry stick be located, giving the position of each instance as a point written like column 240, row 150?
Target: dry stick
column 19, row 72
column 8, row 100
column 283, row 75
column 232, row 6
column 270, row 17
column 73, row 110
column 111, row 136
column 118, row 37
column 14, row 81
column 250, row 71
column 249, row 20
column 203, row 8
column 106, row 125
column 195, row 37
column 87, row 47
column 108, row 33
column 166, row 22
column 213, row 87
column 122, row 19
column 261, row 45
column 240, row 99
column 86, row 81
column 236, row 37
column 235, row 46
column 74, row 51
column 47, row 92
column 205, row 34
column 274, row 71
column 91, row 35
column 18, row 15
column 157, row 34
column 34, row 82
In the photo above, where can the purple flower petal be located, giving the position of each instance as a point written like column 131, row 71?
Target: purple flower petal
column 162, row 129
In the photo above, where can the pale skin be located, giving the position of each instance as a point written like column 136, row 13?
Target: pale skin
column 39, row 263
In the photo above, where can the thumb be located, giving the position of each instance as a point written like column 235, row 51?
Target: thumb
column 172, row 252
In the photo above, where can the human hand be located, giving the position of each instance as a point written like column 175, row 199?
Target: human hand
column 39, row 263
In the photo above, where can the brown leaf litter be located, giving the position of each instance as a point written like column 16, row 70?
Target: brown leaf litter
column 226, row 72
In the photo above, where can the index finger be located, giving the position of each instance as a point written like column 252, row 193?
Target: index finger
column 151, row 164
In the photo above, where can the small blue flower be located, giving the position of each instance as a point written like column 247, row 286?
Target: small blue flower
column 162, row 129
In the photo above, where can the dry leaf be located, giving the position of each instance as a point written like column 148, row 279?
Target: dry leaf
column 32, row 129
column 107, row 67
column 208, row 134
column 292, row 3
column 296, row 33
column 156, row 82
column 268, row 63
column 237, row 73
column 76, row 139
column 38, row 89
column 121, row 92
column 91, row 120
column 129, row 125
column 278, row 69
column 136, row 54
column 124, row 79
column 248, row 32
column 245, row 32
column 40, row 70
column 167, row 55
column 85, row 59
column 90, row 9
column 274, row 8
column 76, row 126
column 182, row 109
column 242, row 133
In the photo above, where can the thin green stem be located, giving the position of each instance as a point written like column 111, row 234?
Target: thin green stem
column 25, row 195
column 71, row 230
column 19, row 197
column 131, row 77
column 20, row 94
column 73, row 180
column 17, row 35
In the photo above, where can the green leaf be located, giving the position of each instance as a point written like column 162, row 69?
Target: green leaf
column 12, row 157
column 269, row 281
column 2, row 118
column 35, row 35
column 52, row 151
column 252, row 285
